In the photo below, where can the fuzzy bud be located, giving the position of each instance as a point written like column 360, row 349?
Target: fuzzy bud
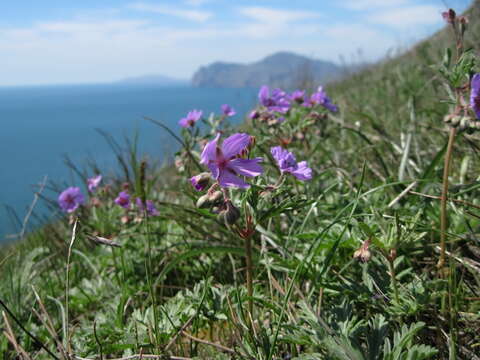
column 392, row 255
column 464, row 122
column 449, row 16
column 363, row 253
column 209, row 200
column 230, row 214
column 455, row 121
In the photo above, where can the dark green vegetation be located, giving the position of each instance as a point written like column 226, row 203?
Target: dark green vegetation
column 176, row 286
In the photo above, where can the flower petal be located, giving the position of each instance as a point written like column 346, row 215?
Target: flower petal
column 215, row 170
column 234, row 144
column 303, row 172
column 475, row 95
column 229, row 179
column 246, row 167
column 263, row 94
column 209, row 151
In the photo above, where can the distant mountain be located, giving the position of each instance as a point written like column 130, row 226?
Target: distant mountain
column 153, row 80
column 284, row 69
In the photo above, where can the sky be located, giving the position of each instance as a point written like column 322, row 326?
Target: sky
column 96, row 41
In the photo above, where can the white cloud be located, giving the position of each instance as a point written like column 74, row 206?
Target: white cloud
column 196, row 2
column 407, row 17
column 193, row 15
column 271, row 15
column 365, row 5
column 269, row 22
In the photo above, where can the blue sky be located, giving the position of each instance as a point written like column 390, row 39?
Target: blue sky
column 91, row 41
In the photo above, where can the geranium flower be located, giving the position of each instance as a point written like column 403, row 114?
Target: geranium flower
column 320, row 97
column 224, row 163
column 123, row 199
column 277, row 101
column 288, row 164
column 227, row 110
column 475, row 95
column 298, row 96
column 151, row 210
column 191, row 118
column 93, row 183
column 70, row 199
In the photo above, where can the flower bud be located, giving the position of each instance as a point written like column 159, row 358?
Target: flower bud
column 455, row 120
column 449, row 16
column 392, row 254
column 230, row 214
column 209, row 200
column 200, row 181
column 363, row 253
column 464, row 123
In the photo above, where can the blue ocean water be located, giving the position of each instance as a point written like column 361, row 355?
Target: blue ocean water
column 39, row 125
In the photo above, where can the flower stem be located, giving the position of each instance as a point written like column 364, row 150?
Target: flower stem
column 393, row 275
column 249, row 265
column 443, row 200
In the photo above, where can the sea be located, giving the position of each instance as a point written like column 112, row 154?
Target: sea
column 43, row 125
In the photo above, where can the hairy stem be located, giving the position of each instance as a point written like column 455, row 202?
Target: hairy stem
column 443, row 200
column 248, row 261
column 393, row 275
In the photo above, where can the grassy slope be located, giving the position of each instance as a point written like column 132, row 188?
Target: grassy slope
column 337, row 307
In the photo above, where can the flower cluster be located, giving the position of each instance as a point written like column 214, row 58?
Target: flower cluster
column 320, row 98
column 277, row 101
column 72, row 198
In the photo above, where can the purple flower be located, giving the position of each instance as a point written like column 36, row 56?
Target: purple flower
column 224, row 163
column 320, row 97
column 287, row 163
column 191, row 118
column 298, row 96
column 227, row 110
column 475, row 95
column 151, row 210
column 93, row 183
column 277, row 101
column 123, row 199
column 70, row 199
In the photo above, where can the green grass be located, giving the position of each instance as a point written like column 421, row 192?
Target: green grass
column 176, row 285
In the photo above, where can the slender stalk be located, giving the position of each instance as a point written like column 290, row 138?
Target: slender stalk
column 67, row 288
column 443, row 200
column 393, row 275
column 249, row 265
column 148, row 269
